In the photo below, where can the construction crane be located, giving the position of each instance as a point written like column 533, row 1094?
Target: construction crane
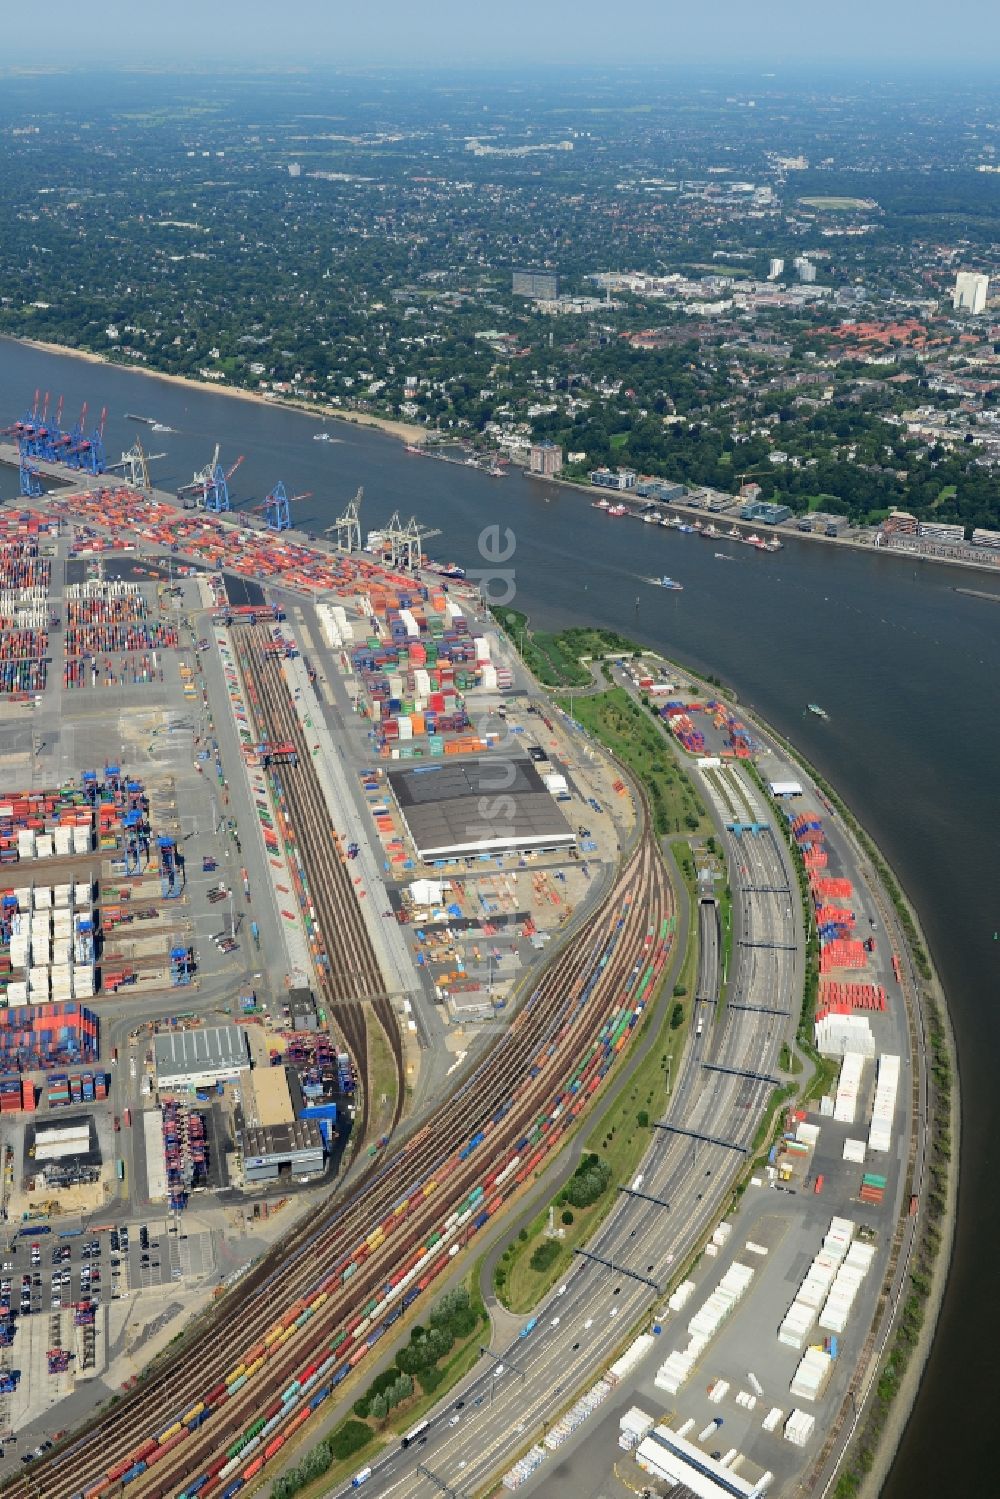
column 276, row 508
column 348, row 528
column 752, row 473
column 135, row 466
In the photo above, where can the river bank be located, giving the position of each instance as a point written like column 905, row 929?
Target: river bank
column 405, row 431
column 867, row 1435
column 635, row 505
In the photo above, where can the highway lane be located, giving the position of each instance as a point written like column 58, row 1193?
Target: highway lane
column 583, row 1324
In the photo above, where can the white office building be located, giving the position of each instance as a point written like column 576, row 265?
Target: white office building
column 971, row 291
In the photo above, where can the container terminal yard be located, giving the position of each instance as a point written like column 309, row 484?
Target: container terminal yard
column 300, row 953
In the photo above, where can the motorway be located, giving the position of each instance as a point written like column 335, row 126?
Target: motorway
column 653, row 1230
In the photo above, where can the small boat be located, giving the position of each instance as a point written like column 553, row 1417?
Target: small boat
column 618, row 510
column 735, row 534
column 496, row 472
column 160, row 427
column 666, row 582
column 601, row 505
column 321, row 437
column 687, row 530
column 130, row 416
column 819, row 712
column 774, row 545
column 724, row 557
column 710, row 531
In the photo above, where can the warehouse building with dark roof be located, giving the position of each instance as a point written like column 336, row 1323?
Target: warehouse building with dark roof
column 463, row 807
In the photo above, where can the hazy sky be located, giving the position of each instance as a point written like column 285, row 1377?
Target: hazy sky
column 871, row 33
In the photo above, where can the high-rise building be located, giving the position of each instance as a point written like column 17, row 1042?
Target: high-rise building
column 541, row 286
column 775, row 269
column 971, row 291
column 545, row 458
column 804, row 268
column 294, row 169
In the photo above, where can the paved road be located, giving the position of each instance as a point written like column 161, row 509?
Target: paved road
column 685, row 1177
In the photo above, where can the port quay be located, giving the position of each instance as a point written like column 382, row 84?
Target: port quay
column 352, row 1029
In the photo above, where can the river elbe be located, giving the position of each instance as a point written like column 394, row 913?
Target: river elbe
column 905, row 667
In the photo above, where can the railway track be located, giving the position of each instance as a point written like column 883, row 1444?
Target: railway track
column 337, row 1263
column 349, row 976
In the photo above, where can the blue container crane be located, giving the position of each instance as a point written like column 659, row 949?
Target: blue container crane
column 136, row 842
column 215, row 492
column 170, row 877
column 30, row 481
column 181, row 966
column 276, row 508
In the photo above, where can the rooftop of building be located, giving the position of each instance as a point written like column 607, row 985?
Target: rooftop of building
column 469, row 806
column 212, row 1047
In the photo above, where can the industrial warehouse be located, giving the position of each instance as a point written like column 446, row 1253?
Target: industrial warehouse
column 478, row 807
column 279, row 1134
column 199, row 1058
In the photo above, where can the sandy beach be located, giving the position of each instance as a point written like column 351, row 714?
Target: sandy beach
column 405, row 431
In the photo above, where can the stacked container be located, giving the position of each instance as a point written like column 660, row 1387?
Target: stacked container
column 10, row 1095
column 880, row 1133
column 35, row 1037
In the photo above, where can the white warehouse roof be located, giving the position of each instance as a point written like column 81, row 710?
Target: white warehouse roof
column 209, row 1052
column 669, row 1456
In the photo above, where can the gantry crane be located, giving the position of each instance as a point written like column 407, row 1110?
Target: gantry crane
column 348, row 528
column 276, row 508
column 210, row 485
column 135, row 466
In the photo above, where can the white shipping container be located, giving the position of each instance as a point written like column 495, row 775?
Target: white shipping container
column 799, row 1428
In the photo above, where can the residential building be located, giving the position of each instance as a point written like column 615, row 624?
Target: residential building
column 775, row 268
column 617, row 478
column 545, row 459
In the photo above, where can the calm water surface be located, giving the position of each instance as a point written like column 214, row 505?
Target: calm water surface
column 905, row 667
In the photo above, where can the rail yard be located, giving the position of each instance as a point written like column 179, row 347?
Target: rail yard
column 466, row 982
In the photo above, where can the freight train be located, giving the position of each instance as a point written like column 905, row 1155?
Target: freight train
column 328, row 1358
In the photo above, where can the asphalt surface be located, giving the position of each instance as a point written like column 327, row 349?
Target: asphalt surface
column 648, row 1238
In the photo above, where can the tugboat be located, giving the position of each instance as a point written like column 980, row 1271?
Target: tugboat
column 666, row 582
column 819, row 712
